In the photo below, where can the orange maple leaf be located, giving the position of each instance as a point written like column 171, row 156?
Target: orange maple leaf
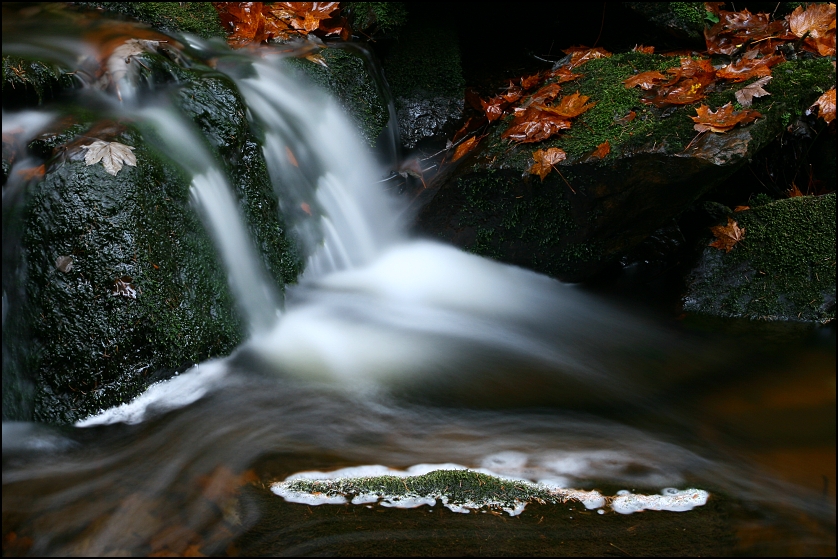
column 826, row 106
column 580, row 55
column 749, row 67
column 571, row 106
column 465, row 147
column 815, row 20
column 533, row 125
column 602, row 150
column 727, row 235
column 722, row 120
column 735, row 29
column 646, row 80
column 544, row 161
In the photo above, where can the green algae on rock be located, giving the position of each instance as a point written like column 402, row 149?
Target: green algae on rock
column 29, row 82
column 784, row 268
column 592, row 211
column 199, row 18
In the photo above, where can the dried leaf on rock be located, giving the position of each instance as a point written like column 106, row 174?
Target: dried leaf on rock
column 544, row 161
column 815, row 20
column 602, row 150
column 826, row 105
column 748, row 68
column 570, row 106
column 124, row 286
column 112, row 155
column 646, row 80
column 727, row 235
column 688, row 83
column 745, row 96
column 64, row 263
column 580, row 55
column 722, row 120
column 533, row 125
column 562, row 75
column 545, row 94
column 465, row 147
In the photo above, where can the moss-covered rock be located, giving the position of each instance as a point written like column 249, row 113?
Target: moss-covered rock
column 783, row 269
column 347, row 78
column 683, row 20
column 591, row 211
column 199, row 18
column 424, row 72
column 29, row 82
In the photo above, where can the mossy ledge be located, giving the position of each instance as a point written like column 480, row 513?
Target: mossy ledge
column 783, row 269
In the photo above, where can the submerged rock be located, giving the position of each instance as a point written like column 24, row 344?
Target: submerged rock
column 783, row 268
column 589, row 211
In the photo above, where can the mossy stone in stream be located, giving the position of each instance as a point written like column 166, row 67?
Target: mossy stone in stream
column 589, row 211
column 29, row 82
column 783, row 269
column 122, row 282
column 348, row 79
column 684, row 20
column 199, row 18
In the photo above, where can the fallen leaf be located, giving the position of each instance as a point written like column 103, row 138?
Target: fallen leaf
column 626, row 119
column 580, row 55
column 30, row 173
column 741, row 208
column 722, row 120
column 602, row 150
column 643, row 49
column 112, row 155
column 688, row 83
column 747, row 68
column 646, row 80
column 305, row 207
column 530, row 82
column 826, row 106
column 737, row 29
column 745, row 96
column 64, row 263
column 290, row 155
column 794, row 192
column 727, row 235
column 563, row 75
column 571, row 106
column 465, row 147
column 544, row 161
column 534, row 125
column 123, row 286
column 815, row 20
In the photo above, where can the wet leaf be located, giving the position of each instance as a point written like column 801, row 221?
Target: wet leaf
column 749, row 67
column 826, row 105
column 571, row 106
column 736, row 30
column 794, row 191
column 722, row 120
column 123, row 286
column 815, row 20
column 465, row 147
column 530, row 82
column 534, row 125
column 643, row 49
column 113, row 155
column 64, row 263
column 646, row 80
column 687, row 85
column 290, row 155
column 546, row 94
column 602, row 150
column 727, row 235
column 745, row 96
column 563, row 75
column 741, row 208
column 30, row 173
column 626, row 119
column 544, row 161
column 580, row 55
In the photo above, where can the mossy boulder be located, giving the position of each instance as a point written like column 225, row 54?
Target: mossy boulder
column 120, row 284
column 682, row 20
column 590, row 211
column 28, row 82
column 783, row 269
column 198, row 18
column 424, row 71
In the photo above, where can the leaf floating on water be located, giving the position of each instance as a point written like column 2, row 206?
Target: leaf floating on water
column 727, row 235
column 112, row 155
column 745, row 96
column 64, row 263
column 123, row 286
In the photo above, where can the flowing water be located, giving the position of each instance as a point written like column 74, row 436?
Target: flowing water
column 401, row 352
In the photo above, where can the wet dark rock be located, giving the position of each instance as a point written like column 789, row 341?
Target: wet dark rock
column 424, row 71
column 198, row 18
column 590, row 212
column 29, row 82
column 783, row 269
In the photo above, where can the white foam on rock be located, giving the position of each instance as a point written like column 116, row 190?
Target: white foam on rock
column 670, row 499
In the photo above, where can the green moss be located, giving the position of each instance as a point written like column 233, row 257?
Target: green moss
column 783, row 269
column 348, row 80
column 692, row 15
column 25, row 81
column 457, row 486
column 199, row 18
column 387, row 16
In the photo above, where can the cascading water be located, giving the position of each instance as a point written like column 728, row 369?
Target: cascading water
column 389, row 351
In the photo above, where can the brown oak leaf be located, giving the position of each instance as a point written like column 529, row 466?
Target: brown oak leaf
column 727, row 235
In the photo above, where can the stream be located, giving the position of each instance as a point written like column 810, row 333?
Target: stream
column 395, row 352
